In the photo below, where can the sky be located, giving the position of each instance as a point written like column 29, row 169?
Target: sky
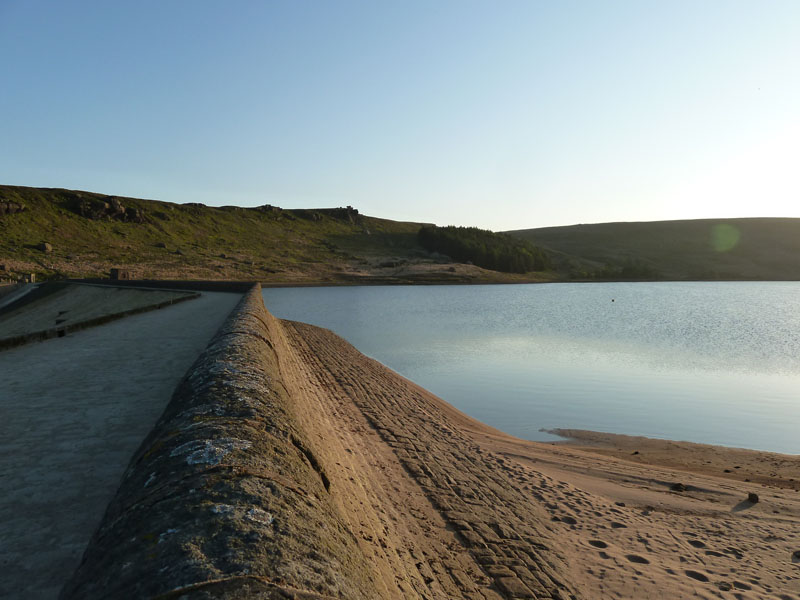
column 497, row 114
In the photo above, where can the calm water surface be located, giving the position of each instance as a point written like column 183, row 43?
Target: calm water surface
column 716, row 363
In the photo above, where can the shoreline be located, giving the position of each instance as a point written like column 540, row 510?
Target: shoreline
column 241, row 286
column 739, row 464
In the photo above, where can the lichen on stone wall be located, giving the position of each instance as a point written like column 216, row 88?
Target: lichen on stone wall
column 209, row 452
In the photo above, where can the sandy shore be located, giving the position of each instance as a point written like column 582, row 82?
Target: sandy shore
column 427, row 486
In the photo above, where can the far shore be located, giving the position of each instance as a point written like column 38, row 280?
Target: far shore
column 399, row 281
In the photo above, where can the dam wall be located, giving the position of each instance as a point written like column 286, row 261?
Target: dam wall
column 62, row 308
column 226, row 497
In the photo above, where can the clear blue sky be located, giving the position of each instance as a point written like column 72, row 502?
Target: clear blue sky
column 497, row 114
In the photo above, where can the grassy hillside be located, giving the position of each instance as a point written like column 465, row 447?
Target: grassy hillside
column 730, row 249
column 90, row 233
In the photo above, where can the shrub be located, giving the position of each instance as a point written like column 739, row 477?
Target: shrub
column 495, row 251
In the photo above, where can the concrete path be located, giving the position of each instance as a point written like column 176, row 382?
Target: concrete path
column 72, row 412
column 77, row 303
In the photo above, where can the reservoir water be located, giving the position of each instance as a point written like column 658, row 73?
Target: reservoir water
column 716, row 363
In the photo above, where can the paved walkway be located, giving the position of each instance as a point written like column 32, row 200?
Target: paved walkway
column 72, row 412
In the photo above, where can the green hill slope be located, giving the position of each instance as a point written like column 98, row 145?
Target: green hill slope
column 729, row 249
column 90, row 233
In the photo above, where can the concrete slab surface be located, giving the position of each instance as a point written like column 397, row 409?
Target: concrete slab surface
column 12, row 292
column 72, row 412
column 76, row 303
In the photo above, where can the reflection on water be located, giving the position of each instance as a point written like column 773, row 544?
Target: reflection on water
column 707, row 362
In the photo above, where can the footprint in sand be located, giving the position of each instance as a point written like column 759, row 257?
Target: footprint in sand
column 635, row 558
column 714, row 553
column 724, row 586
column 697, row 576
column 569, row 520
column 735, row 551
column 598, row 544
column 697, row 543
column 615, row 525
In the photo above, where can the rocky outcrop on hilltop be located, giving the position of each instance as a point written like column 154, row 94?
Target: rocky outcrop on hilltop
column 108, row 208
column 10, row 208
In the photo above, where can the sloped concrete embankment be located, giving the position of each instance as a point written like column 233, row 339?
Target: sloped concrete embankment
column 224, row 498
column 6, row 289
column 56, row 309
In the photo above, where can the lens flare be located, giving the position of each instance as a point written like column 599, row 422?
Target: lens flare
column 724, row 237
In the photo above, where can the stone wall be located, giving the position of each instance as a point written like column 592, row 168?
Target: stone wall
column 224, row 498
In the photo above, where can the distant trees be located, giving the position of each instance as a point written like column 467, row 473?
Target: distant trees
column 495, row 251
